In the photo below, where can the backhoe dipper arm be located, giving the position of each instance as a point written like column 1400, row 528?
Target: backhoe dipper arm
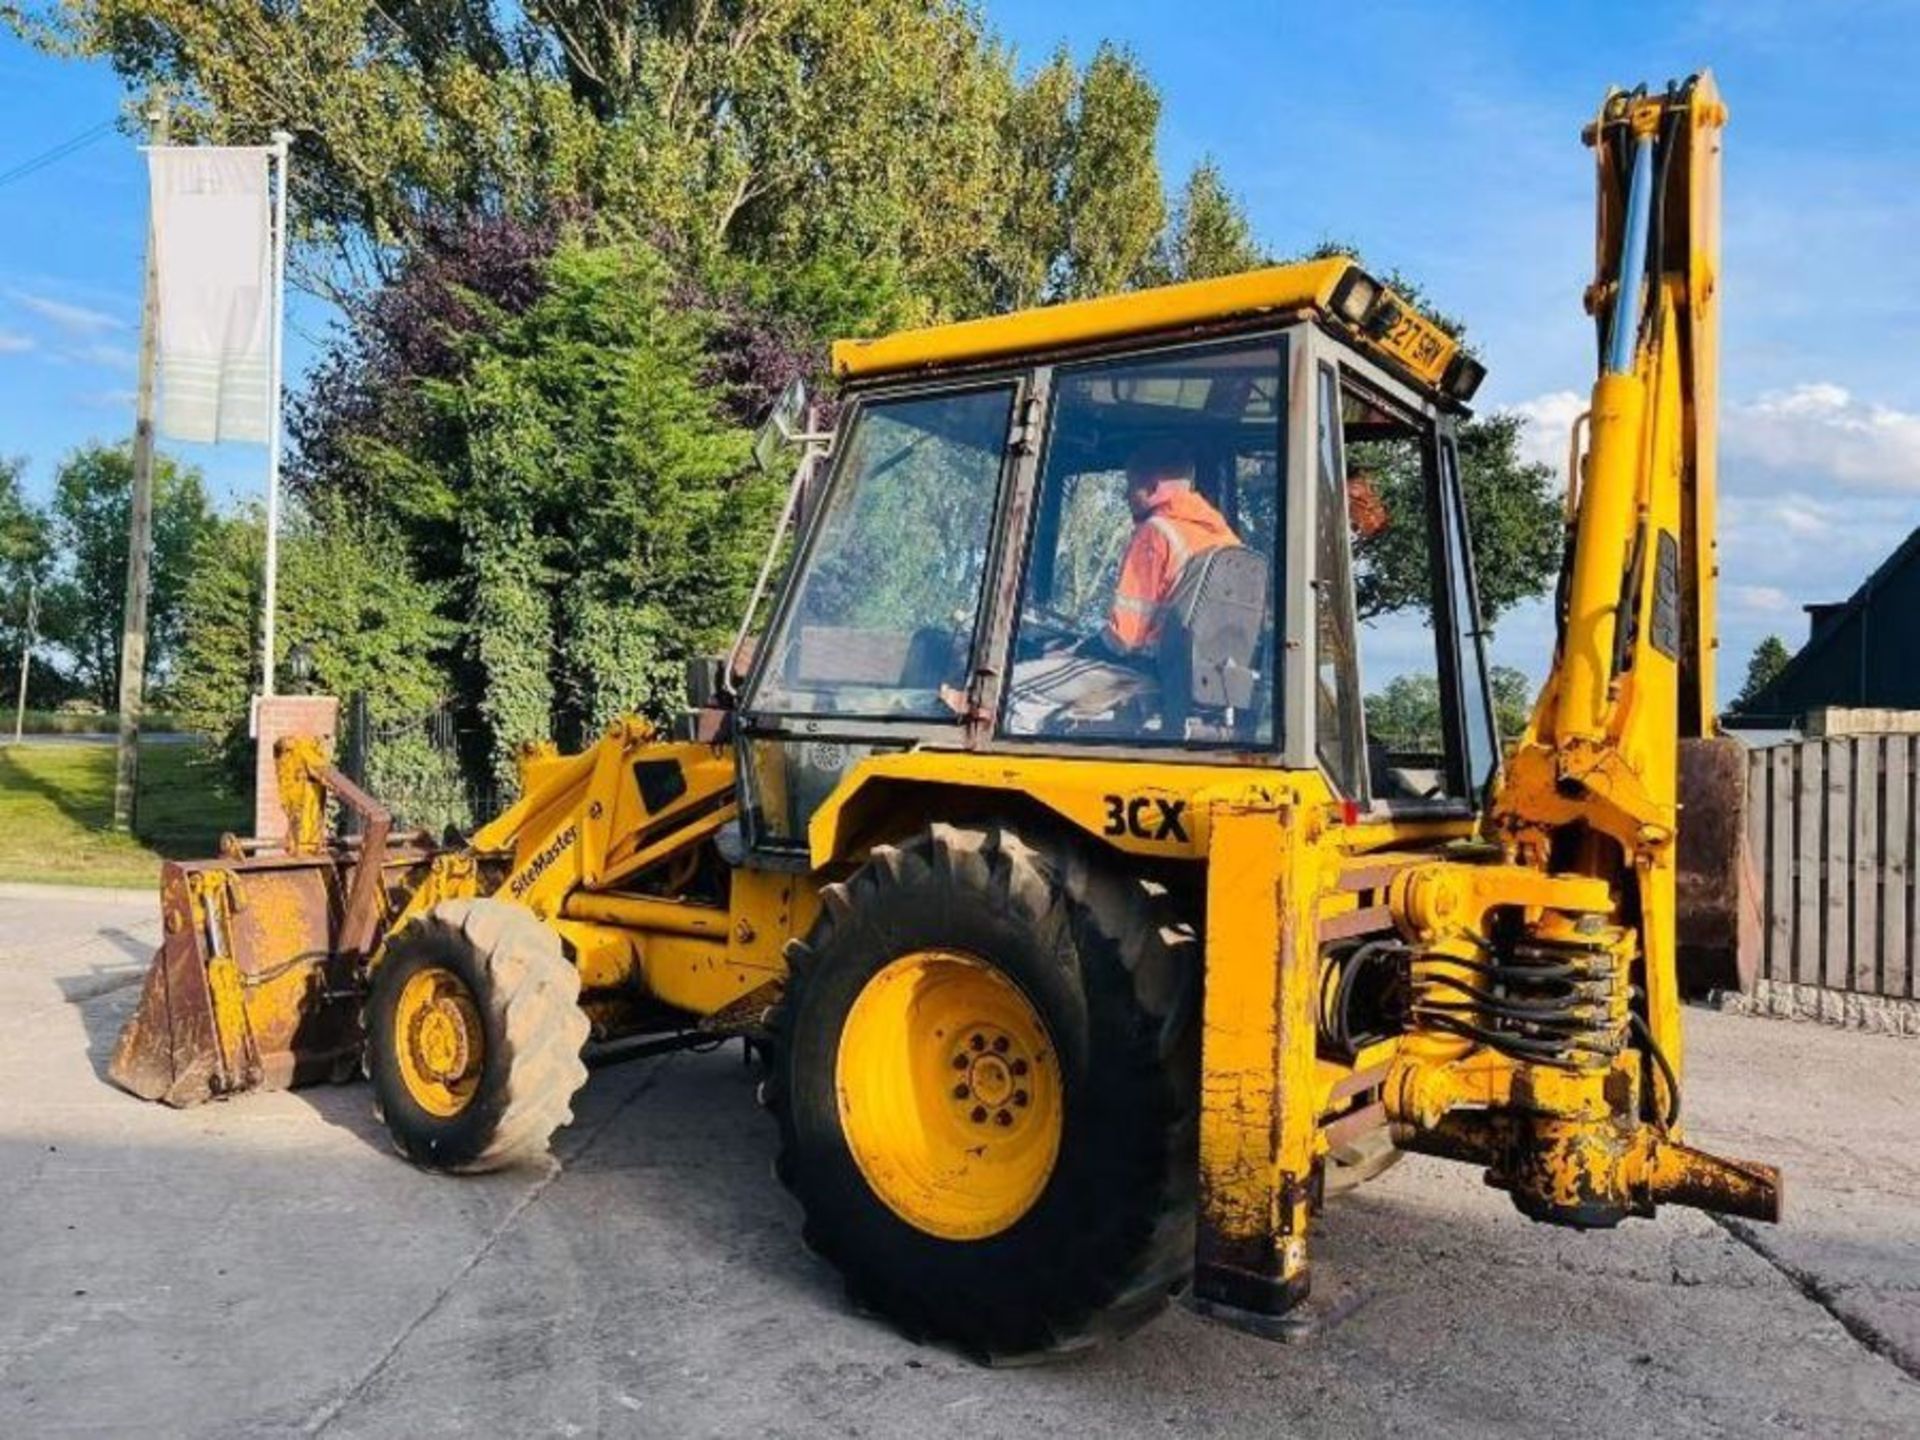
column 1547, row 1038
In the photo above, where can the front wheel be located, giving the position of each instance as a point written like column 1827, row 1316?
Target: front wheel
column 985, row 1073
column 474, row 1031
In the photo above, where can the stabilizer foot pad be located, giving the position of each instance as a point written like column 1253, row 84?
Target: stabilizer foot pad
column 1301, row 1323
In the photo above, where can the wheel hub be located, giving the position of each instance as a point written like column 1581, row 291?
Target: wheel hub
column 995, row 1071
column 440, row 1040
column 441, row 1043
column 949, row 1093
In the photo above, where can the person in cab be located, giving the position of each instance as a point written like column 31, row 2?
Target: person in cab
column 1172, row 525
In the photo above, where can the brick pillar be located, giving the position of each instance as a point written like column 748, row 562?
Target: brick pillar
column 276, row 716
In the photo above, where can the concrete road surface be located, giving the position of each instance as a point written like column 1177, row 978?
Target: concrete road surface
column 268, row 1267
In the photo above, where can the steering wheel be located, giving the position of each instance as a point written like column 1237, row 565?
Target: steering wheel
column 1044, row 629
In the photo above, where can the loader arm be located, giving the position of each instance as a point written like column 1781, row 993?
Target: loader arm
column 1594, row 787
column 1548, row 984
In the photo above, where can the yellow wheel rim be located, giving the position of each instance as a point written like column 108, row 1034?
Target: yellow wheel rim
column 441, row 1044
column 949, row 1094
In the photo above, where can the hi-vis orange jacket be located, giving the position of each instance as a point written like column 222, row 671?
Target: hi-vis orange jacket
column 1180, row 525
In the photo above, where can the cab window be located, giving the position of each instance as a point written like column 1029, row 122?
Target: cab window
column 881, row 619
column 1146, row 611
column 1429, row 728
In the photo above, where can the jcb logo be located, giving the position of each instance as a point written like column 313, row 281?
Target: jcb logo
column 1146, row 817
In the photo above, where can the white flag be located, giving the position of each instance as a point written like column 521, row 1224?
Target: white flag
column 213, row 251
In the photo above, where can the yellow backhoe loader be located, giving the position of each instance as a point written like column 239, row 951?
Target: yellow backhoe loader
column 1084, row 970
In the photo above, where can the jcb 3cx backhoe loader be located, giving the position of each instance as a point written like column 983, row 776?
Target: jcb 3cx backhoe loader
column 1084, row 978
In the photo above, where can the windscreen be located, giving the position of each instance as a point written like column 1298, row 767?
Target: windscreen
column 882, row 615
column 1147, row 601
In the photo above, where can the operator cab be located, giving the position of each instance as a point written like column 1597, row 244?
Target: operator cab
column 1197, row 525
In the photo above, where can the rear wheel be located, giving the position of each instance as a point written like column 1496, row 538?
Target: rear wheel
column 985, row 1075
column 474, row 1032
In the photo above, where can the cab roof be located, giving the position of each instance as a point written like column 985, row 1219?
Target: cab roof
column 1335, row 288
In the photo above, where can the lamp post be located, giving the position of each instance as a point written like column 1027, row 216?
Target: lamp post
column 300, row 667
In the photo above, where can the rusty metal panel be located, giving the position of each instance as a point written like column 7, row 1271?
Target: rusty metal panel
column 1716, row 887
column 170, row 1051
column 301, row 1007
column 253, row 987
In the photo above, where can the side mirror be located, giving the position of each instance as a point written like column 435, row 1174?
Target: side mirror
column 785, row 424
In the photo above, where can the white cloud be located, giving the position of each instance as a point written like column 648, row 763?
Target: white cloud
column 1759, row 600
column 1817, row 486
column 1822, row 429
column 1802, row 517
column 1812, row 431
column 12, row 342
column 1549, row 424
column 73, row 319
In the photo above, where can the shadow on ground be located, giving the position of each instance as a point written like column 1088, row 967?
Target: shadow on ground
column 240, row 1269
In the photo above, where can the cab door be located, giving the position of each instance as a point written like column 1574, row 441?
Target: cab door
column 875, row 642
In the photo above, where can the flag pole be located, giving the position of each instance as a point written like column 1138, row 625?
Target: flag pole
column 269, row 602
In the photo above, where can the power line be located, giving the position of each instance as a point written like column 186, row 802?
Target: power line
column 58, row 152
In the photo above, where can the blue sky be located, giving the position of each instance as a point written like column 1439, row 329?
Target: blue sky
column 1441, row 138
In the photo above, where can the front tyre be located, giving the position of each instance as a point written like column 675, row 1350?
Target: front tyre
column 474, row 1031
column 985, row 1073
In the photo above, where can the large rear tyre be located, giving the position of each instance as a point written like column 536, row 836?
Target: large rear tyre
column 474, row 1031
column 985, row 1073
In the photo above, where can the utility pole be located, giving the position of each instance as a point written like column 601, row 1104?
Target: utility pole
column 133, row 630
column 26, row 658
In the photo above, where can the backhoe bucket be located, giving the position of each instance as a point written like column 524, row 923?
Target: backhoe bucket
column 1717, row 889
column 257, row 983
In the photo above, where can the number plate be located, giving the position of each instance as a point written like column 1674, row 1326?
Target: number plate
column 1418, row 344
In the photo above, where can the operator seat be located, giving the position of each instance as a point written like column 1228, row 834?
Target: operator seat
column 1210, row 643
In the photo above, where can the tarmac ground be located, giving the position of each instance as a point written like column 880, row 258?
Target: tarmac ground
column 268, row 1266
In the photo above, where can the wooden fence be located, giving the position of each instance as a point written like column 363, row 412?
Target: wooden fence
column 1831, row 826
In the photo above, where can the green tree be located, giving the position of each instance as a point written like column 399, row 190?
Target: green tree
column 86, row 601
column 1512, row 700
column 776, row 130
column 603, row 516
column 1405, row 714
column 1514, row 517
column 1115, row 205
column 1207, row 234
column 25, row 555
column 1036, row 149
column 348, row 595
column 1769, row 658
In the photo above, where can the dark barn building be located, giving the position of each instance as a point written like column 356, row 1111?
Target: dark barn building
column 1862, row 652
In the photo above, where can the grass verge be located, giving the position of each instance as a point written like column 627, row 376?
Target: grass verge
column 56, row 801
column 93, row 722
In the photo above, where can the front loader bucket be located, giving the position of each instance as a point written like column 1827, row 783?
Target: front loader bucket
column 1717, row 890
column 252, row 988
column 257, row 983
